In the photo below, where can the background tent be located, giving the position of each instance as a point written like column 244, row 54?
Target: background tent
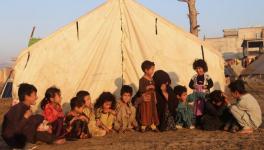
column 105, row 48
column 256, row 68
column 6, row 83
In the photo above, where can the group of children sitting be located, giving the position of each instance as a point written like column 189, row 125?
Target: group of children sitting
column 156, row 107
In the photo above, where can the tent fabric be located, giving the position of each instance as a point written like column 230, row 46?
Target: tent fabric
column 104, row 49
column 7, row 90
column 256, row 68
column 4, row 74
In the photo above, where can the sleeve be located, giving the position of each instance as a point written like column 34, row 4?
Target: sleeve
column 49, row 114
column 191, row 84
column 17, row 120
column 97, row 113
column 210, row 83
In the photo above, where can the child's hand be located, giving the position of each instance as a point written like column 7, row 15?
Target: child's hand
column 146, row 97
column 205, row 87
column 113, row 112
column 83, row 118
column 27, row 114
column 98, row 123
column 50, row 130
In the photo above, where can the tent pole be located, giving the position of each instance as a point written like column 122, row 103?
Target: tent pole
column 202, row 52
column 9, row 76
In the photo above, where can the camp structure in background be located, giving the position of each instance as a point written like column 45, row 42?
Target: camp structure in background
column 104, row 49
column 256, row 68
column 6, row 82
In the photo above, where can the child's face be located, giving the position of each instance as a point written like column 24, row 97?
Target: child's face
column 235, row 94
column 163, row 87
column 79, row 110
column 31, row 99
column 217, row 103
column 87, row 100
column 150, row 71
column 183, row 97
column 126, row 97
column 57, row 98
column 107, row 105
column 200, row 71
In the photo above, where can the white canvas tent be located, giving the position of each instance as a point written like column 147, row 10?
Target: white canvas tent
column 105, row 48
column 256, row 68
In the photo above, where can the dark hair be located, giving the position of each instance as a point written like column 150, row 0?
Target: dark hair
column 126, row 89
column 160, row 77
column 76, row 102
column 105, row 97
column 216, row 96
column 238, row 86
column 179, row 90
column 147, row 65
column 25, row 89
column 82, row 94
column 50, row 93
column 200, row 63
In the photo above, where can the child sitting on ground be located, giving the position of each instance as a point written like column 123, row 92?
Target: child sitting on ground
column 105, row 111
column 146, row 103
column 52, row 112
column 20, row 125
column 184, row 114
column 77, row 121
column 126, row 112
column 246, row 110
column 201, row 83
column 216, row 115
column 89, row 112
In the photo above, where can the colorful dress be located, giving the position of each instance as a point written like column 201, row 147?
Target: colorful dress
column 197, row 83
column 184, row 115
column 54, row 115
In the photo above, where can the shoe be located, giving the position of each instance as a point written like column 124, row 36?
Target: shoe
column 192, row 127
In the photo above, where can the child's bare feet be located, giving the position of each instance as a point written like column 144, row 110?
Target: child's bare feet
column 84, row 136
column 178, row 127
column 60, row 141
column 246, row 131
column 192, row 127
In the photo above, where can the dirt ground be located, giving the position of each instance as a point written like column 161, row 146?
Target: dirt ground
column 180, row 139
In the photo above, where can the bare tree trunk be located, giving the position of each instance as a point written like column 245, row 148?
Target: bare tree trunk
column 194, row 27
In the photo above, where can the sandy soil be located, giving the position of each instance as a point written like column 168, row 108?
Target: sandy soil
column 180, row 139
